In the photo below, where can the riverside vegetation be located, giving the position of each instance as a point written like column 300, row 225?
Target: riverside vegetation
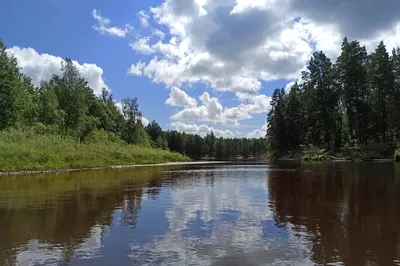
column 343, row 110
column 62, row 124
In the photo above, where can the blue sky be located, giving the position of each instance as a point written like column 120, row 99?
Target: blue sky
column 195, row 65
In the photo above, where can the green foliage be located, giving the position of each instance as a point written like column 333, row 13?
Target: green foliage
column 397, row 156
column 158, row 138
column 294, row 115
column 18, row 100
column 101, row 136
column 348, row 104
column 276, row 131
column 27, row 150
column 353, row 76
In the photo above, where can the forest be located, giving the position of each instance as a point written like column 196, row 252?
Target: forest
column 66, row 108
column 353, row 102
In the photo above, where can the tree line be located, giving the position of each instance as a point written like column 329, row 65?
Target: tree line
column 66, row 105
column 351, row 102
column 209, row 146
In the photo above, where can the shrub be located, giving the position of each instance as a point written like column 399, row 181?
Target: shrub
column 397, row 155
column 102, row 136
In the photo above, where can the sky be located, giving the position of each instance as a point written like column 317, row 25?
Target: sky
column 195, row 65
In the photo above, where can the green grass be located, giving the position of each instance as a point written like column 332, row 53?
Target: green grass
column 315, row 158
column 27, row 150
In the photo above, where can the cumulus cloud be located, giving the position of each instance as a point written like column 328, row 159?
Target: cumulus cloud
column 136, row 69
column 212, row 110
column 201, row 130
column 179, row 98
column 235, row 46
column 142, row 46
column 289, row 86
column 217, row 47
column 103, row 26
column 352, row 18
column 145, row 121
column 144, row 19
column 211, row 43
column 43, row 66
column 258, row 133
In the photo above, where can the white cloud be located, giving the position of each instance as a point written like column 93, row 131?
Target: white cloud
column 258, row 133
column 201, row 130
column 216, row 46
column 142, row 46
column 159, row 34
column 180, row 98
column 234, row 46
column 210, row 44
column 212, row 110
column 144, row 19
column 104, row 27
column 289, row 86
column 145, row 121
column 136, row 70
column 43, row 66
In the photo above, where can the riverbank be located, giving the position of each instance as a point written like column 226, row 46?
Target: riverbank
column 110, row 167
column 26, row 151
column 371, row 152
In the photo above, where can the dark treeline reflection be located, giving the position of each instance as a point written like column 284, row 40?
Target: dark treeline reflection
column 62, row 210
column 349, row 213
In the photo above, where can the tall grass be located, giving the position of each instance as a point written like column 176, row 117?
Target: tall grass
column 27, row 150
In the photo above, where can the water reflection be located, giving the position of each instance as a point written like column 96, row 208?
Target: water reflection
column 254, row 214
column 349, row 212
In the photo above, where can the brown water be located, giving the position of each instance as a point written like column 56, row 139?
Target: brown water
column 231, row 214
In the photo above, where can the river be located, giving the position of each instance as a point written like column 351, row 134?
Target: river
column 282, row 213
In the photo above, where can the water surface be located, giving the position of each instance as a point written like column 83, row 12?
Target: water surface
column 231, row 214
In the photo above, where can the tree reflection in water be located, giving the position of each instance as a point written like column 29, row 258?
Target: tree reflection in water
column 349, row 212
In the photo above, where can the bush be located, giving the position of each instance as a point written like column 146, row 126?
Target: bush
column 315, row 158
column 27, row 150
column 102, row 136
column 397, row 155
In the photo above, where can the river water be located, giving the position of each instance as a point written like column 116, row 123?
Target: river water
column 224, row 214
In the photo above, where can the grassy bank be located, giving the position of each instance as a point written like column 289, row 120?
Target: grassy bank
column 27, row 150
column 368, row 152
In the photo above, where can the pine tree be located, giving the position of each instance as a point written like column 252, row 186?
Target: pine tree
column 220, row 152
column 395, row 99
column 276, row 126
column 294, row 117
column 211, row 142
column 381, row 82
column 321, row 89
column 353, row 77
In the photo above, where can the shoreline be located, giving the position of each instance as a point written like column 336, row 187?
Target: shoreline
column 32, row 172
